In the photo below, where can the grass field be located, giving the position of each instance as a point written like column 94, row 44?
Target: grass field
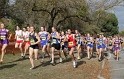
column 14, row 67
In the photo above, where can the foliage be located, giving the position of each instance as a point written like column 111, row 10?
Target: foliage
column 108, row 24
column 121, row 33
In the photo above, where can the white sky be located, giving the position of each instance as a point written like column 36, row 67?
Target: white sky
column 119, row 12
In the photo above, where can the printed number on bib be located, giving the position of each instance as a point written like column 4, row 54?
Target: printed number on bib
column 71, row 43
column 116, row 45
column 43, row 38
column 88, row 42
column 19, row 37
column 32, row 40
column 54, row 41
column 62, row 43
column 2, row 37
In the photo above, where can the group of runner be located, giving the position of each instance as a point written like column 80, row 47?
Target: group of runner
column 61, row 42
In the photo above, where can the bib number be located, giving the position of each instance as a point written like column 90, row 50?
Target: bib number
column 43, row 38
column 19, row 37
column 71, row 43
column 88, row 42
column 54, row 41
column 2, row 37
column 32, row 40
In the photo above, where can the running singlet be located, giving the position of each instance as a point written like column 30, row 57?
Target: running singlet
column 32, row 38
column 100, row 41
column 104, row 40
column 43, row 36
column 88, row 40
column 54, row 40
column 3, row 34
column 26, row 36
column 71, row 41
column 116, row 43
column 78, row 37
column 18, row 35
column 62, row 39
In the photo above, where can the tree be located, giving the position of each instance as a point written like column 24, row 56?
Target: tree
column 108, row 25
column 2, row 8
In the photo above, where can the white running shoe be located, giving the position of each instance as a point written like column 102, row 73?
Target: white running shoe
column 22, row 54
column 60, row 60
column 52, row 63
column 74, row 64
column 78, row 58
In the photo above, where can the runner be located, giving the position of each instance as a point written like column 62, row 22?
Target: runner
column 55, row 44
column 44, row 36
column 116, row 46
column 89, row 45
column 19, row 39
column 97, row 44
column 48, row 44
column 71, row 46
column 110, row 43
column 104, row 42
column 122, row 43
column 25, row 34
column 64, row 45
column 33, row 49
column 100, row 47
column 4, row 40
column 79, row 43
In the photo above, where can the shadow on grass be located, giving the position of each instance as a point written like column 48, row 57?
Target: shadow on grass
column 20, row 59
column 80, row 63
column 7, row 66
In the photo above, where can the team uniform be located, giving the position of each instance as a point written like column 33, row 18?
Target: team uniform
column 63, row 44
column 79, row 40
column 33, row 39
column 116, row 45
column 100, row 43
column 18, row 34
column 89, row 43
column 71, row 41
column 43, row 38
column 26, row 37
column 104, row 42
column 55, row 42
column 3, row 37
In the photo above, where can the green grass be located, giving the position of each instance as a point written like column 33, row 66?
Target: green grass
column 14, row 67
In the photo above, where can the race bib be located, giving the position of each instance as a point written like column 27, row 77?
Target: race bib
column 43, row 38
column 3, row 37
column 19, row 37
column 32, row 40
column 54, row 41
column 88, row 42
column 62, row 43
column 100, row 43
column 117, row 45
column 26, row 39
column 71, row 43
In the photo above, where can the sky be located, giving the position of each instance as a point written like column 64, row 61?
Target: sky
column 119, row 12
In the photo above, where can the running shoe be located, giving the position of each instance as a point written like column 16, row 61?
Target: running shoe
column 52, row 63
column 22, row 54
column 31, row 68
column 88, row 58
column 60, row 60
column 74, row 64
column 42, row 60
column 99, row 60
column 79, row 58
